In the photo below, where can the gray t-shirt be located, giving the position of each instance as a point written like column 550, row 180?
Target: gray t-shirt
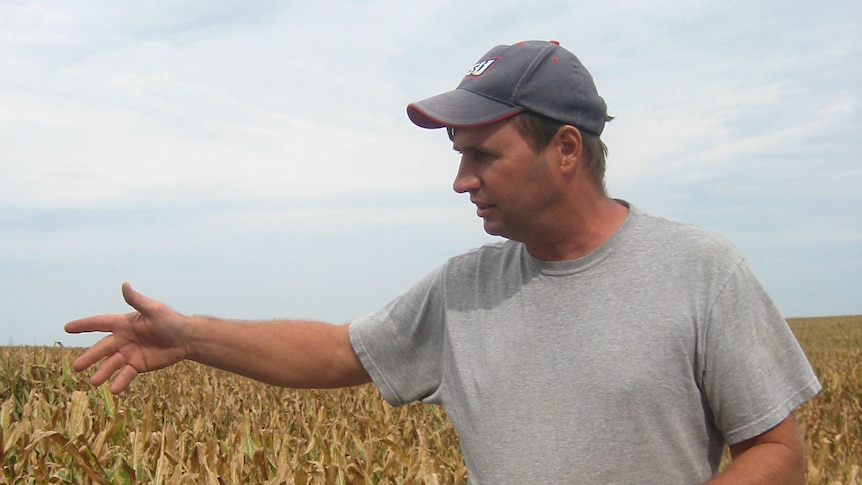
column 634, row 364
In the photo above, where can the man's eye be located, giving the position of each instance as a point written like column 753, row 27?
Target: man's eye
column 481, row 156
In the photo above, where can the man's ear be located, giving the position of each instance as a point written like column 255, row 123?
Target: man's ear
column 571, row 146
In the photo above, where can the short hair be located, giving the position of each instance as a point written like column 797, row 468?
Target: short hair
column 539, row 130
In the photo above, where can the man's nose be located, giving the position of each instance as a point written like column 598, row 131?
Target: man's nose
column 465, row 180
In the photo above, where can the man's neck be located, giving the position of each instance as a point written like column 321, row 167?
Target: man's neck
column 581, row 231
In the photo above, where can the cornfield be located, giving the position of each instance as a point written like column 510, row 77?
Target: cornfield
column 832, row 421
column 192, row 424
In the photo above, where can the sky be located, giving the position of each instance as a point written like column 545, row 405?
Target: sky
column 253, row 160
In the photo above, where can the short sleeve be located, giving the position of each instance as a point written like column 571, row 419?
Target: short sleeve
column 754, row 371
column 400, row 344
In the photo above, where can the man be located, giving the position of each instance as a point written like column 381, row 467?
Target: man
column 596, row 344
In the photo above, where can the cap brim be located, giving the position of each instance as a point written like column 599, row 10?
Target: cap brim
column 458, row 108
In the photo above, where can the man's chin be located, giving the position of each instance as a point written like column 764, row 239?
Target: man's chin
column 494, row 229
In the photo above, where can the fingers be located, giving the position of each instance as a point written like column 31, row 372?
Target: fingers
column 111, row 347
column 103, row 348
column 99, row 323
column 108, row 323
column 121, row 382
column 107, row 368
column 114, row 362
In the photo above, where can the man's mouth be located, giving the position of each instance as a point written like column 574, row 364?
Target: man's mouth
column 483, row 209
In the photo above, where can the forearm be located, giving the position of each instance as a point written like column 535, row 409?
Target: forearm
column 776, row 456
column 763, row 464
column 289, row 353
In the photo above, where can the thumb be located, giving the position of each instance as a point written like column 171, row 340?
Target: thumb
column 138, row 301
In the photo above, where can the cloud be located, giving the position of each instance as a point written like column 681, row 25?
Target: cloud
column 259, row 151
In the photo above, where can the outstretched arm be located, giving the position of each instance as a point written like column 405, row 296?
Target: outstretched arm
column 288, row 353
column 775, row 456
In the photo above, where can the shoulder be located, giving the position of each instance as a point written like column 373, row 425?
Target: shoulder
column 680, row 243
column 659, row 226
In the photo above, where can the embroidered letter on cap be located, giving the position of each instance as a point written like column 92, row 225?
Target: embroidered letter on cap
column 480, row 67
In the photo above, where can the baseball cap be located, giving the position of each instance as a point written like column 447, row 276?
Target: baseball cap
column 537, row 76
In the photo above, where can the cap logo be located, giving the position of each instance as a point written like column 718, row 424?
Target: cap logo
column 480, row 67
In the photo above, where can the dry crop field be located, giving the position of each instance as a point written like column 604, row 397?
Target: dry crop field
column 190, row 424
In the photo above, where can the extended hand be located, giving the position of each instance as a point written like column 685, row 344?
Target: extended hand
column 151, row 338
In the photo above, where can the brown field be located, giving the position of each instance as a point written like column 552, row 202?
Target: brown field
column 191, row 424
column 832, row 421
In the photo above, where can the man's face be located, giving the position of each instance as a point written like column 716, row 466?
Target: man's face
column 512, row 186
